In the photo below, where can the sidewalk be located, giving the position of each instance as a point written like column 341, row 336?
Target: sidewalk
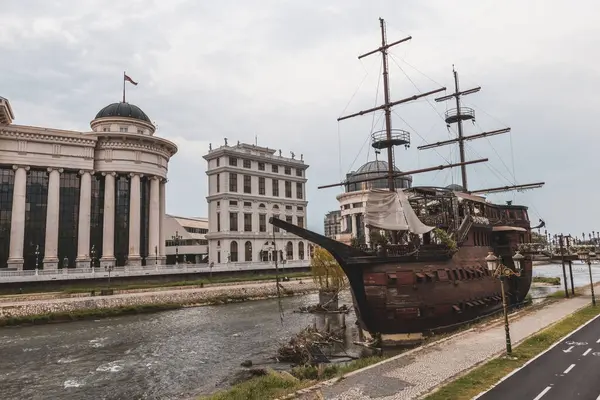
column 419, row 371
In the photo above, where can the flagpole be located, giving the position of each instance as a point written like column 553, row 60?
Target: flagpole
column 123, row 86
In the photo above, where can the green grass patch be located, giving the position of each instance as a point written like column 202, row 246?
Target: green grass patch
column 77, row 315
column 274, row 384
column 483, row 377
column 543, row 279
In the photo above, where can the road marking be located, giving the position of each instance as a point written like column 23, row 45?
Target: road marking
column 568, row 369
column 539, row 396
column 587, row 352
column 598, row 398
column 568, row 350
column 598, row 341
column 569, row 343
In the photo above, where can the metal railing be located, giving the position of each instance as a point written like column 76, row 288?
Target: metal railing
column 91, row 273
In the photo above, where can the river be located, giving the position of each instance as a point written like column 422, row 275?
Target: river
column 169, row 355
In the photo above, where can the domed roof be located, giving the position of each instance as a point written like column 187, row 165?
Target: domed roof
column 374, row 166
column 124, row 110
column 455, row 187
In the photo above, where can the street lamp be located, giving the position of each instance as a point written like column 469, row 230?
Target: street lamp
column 156, row 256
column 176, row 238
column 587, row 257
column 93, row 256
column 501, row 271
column 37, row 256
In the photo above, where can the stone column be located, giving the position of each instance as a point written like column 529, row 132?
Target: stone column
column 162, row 250
column 52, row 213
column 17, row 225
column 85, row 213
column 354, row 225
column 154, row 223
column 108, row 225
column 133, row 258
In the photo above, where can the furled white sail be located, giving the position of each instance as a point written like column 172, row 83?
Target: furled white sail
column 392, row 211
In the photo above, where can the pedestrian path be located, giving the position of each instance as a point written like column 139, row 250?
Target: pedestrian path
column 417, row 372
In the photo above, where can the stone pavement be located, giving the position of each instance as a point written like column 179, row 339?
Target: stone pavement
column 417, row 372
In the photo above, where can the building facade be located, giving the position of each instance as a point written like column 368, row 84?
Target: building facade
column 247, row 185
column 353, row 200
column 332, row 224
column 69, row 198
column 185, row 239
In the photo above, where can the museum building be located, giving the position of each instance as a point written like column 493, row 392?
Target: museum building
column 70, row 199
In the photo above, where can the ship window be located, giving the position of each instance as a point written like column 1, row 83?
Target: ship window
column 455, row 273
column 456, row 308
column 392, row 280
column 420, row 277
column 442, row 275
column 430, row 276
column 461, row 274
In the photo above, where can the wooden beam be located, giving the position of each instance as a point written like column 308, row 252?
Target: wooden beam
column 471, row 137
column 527, row 186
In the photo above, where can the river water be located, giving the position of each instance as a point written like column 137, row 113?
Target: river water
column 169, row 355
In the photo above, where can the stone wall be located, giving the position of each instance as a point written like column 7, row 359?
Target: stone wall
column 184, row 297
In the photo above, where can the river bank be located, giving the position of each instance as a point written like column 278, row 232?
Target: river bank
column 81, row 307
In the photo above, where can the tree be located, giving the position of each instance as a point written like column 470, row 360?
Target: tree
column 376, row 238
column 326, row 272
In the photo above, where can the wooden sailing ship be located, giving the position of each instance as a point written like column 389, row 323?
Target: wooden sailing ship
column 432, row 276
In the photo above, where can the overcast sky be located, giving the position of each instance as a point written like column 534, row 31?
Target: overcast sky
column 285, row 70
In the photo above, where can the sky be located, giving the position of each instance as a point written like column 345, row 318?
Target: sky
column 284, row 71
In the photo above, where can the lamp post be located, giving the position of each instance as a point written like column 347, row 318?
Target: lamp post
column 156, row 256
column 93, row 256
column 176, row 238
column 37, row 257
column 501, row 271
column 588, row 257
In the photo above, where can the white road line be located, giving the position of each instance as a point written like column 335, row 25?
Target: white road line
column 568, row 369
column 539, row 396
column 598, row 398
column 598, row 341
column 587, row 352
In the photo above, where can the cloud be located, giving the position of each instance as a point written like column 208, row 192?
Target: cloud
column 286, row 70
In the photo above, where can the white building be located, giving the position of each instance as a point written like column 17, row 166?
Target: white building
column 352, row 201
column 185, row 239
column 67, row 198
column 332, row 224
column 247, row 185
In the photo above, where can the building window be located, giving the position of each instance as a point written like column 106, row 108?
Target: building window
column 218, row 183
column 288, row 207
column 261, row 185
column 145, row 219
column 140, row 131
column 287, row 170
column 233, row 161
column 288, row 189
column 248, row 251
column 275, row 188
column 289, row 251
column 299, row 190
column 218, row 222
column 7, row 180
column 121, row 242
column 106, row 129
column 248, row 204
column 288, row 218
column 300, row 208
column 275, row 228
column 232, row 182
column 300, row 221
column 261, row 166
column 247, row 184
column 233, row 221
column 233, row 251
column 123, row 129
column 232, row 203
column 274, row 168
column 247, row 164
column 36, row 197
column 301, row 250
column 247, row 222
column 262, row 222
column 261, row 206
column 218, row 162
column 298, row 172
column 218, row 257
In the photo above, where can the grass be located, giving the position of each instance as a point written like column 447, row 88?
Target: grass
column 543, row 279
column 77, row 315
column 491, row 372
column 274, row 384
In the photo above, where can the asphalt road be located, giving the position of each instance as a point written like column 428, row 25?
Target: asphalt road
column 570, row 370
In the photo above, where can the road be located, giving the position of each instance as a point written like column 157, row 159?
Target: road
column 565, row 372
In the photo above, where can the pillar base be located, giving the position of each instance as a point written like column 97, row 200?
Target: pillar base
column 15, row 263
column 108, row 262
column 134, row 261
column 83, row 263
column 152, row 261
column 50, row 264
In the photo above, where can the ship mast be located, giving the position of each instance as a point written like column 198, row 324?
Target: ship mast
column 389, row 138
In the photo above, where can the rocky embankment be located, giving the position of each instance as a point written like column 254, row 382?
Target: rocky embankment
column 154, row 301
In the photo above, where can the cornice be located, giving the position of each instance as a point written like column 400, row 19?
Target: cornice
column 261, row 199
column 270, row 159
column 146, row 145
column 254, row 172
column 44, row 135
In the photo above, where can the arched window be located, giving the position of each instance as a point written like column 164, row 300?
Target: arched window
column 289, row 251
column 261, row 206
column 233, row 251
column 218, row 243
column 311, row 251
column 301, row 250
column 248, row 251
column 275, row 207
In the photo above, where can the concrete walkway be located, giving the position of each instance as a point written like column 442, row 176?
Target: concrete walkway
column 417, row 372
